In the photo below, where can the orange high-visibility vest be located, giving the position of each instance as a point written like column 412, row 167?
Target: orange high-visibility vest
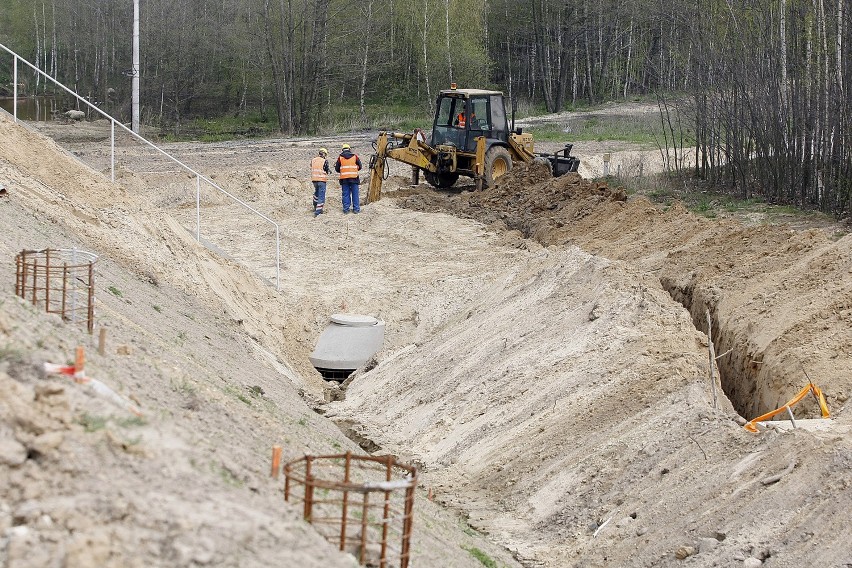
column 348, row 167
column 461, row 120
column 317, row 171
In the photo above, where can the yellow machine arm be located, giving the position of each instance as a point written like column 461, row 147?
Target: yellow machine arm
column 413, row 152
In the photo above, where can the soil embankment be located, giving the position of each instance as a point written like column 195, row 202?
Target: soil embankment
column 539, row 366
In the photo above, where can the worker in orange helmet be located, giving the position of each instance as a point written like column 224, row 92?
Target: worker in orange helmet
column 348, row 165
column 319, row 177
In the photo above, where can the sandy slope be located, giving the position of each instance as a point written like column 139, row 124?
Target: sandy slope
column 539, row 365
column 208, row 350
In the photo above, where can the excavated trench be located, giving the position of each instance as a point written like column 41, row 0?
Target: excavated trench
column 737, row 367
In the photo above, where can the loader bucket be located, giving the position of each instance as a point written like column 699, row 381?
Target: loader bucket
column 563, row 162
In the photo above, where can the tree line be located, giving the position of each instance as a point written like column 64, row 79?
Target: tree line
column 757, row 91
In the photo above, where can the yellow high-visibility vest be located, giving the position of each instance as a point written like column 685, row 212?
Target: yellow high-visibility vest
column 348, row 167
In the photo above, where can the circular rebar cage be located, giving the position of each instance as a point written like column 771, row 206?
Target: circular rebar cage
column 62, row 280
column 365, row 504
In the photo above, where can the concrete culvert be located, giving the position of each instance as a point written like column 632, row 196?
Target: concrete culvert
column 346, row 344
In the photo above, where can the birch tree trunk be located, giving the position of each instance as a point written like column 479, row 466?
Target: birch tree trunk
column 426, row 56
column 365, row 60
column 278, row 78
column 839, row 46
column 447, row 35
column 627, row 63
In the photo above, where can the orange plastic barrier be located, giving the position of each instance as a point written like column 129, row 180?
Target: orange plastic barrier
column 751, row 426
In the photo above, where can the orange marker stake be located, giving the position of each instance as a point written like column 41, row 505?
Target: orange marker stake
column 79, row 363
column 276, row 461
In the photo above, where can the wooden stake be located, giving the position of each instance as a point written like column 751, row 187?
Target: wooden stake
column 79, row 363
column 712, row 357
column 276, row 460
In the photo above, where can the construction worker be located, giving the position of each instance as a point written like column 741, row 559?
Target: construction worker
column 460, row 118
column 348, row 165
column 319, row 177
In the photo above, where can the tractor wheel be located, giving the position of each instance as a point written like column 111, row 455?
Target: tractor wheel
column 441, row 181
column 498, row 161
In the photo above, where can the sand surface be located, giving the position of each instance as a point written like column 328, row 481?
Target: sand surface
column 545, row 365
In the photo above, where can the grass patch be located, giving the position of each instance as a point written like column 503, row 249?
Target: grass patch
column 226, row 475
column 696, row 197
column 182, row 386
column 483, row 558
column 642, row 129
column 467, row 529
column 115, row 292
column 157, row 308
column 8, row 353
column 330, row 120
column 220, row 128
column 238, row 395
column 379, row 116
column 92, row 423
column 131, row 422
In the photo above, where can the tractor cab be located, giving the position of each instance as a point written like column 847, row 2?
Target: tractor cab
column 465, row 114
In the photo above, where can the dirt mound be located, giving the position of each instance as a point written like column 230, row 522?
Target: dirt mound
column 527, row 199
column 559, row 396
column 749, row 278
column 213, row 354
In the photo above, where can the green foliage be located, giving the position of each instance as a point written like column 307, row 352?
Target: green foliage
column 224, row 127
column 8, row 353
column 381, row 115
column 115, row 292
column 638, row 129
column 226, row 475
column 182, row 386
column 131, row 422
column 483, row 558
column 92, row 423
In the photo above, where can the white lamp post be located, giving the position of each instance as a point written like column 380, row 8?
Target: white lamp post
column 135, row 95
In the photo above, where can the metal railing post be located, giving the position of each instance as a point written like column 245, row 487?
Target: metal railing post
column 112, row 149
column 198, row 208
column 277, row 259
column 156, row 148
column 15, row 89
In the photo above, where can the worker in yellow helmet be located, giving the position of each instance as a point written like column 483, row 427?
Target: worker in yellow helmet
column 319, row 177
column 348, row 165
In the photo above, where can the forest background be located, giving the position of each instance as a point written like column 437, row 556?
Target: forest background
column 753, row 95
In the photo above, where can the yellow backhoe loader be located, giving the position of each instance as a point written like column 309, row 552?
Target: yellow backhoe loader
column 470, row 137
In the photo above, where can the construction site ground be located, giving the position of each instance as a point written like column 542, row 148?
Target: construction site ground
column 546, row 364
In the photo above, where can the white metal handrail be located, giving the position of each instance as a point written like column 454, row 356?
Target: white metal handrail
column 113, row 122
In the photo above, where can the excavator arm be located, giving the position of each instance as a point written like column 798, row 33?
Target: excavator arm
column 410, row 151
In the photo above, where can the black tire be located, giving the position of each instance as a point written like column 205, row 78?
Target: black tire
column 442, row 181
column 498, row 161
